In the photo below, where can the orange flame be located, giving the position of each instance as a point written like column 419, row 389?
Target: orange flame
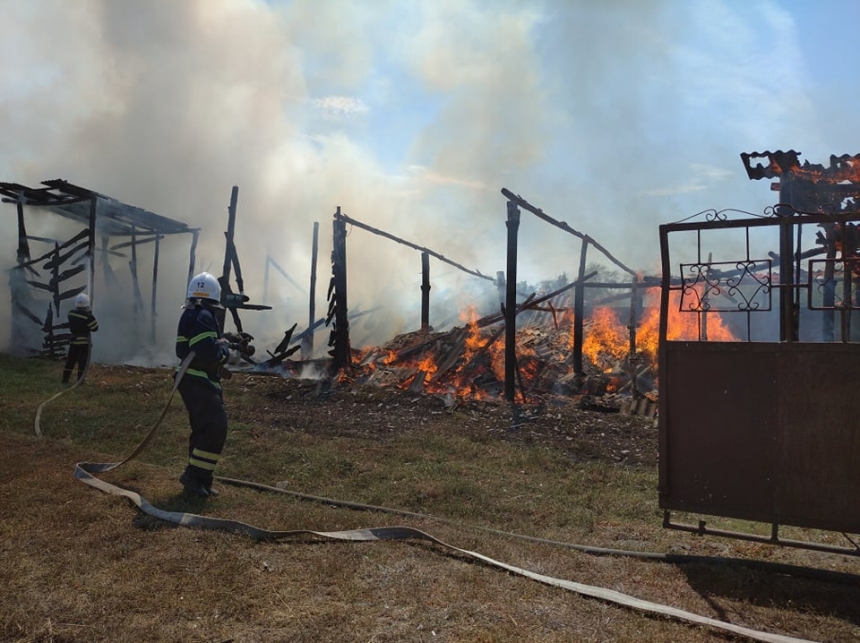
column 680, row 326
column 606, row 344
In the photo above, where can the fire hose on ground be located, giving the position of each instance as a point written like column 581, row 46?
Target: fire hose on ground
column 86, row 473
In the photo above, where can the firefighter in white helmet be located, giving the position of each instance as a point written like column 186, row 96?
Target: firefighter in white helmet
column 81, row 324
column 200, row 330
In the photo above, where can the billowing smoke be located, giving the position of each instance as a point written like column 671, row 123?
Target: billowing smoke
column 614, row 117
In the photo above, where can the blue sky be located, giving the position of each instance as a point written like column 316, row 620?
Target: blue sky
column 411, row 115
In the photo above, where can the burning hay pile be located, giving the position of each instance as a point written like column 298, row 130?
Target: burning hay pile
column 467, row 362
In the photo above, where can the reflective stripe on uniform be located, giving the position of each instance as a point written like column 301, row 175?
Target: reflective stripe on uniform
column 198, row 373
column 202, row 336
column 203, row 459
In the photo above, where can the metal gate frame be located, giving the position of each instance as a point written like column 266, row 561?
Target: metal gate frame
column 764, row 431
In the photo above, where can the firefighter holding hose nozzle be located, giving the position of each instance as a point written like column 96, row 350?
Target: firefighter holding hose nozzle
column 200, row 331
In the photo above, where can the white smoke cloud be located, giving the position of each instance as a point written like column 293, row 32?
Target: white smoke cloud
column 613, row 116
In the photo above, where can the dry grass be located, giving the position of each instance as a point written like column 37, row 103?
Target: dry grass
column 79, row 565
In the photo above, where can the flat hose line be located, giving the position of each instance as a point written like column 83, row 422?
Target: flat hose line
column 77, row 383
column 85, row 472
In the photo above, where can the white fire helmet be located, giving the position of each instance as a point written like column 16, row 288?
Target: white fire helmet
column 204, row 286
column 82, row 301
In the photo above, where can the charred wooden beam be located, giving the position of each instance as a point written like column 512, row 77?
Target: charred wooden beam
column 513, row 225
column 450, row 357
column 52, row 252
column 425, row 290
column 91, row 247
column 578, row 312
column 339, row 340
column 417, row 384
column 23, row 255
column 308, row 340
column 58, row 258
column 635, row 312
column 532, row 302
column 282, row 350
column 137, row 297
column 55, row 271
column 20, row 307
column 192, row 254
column 152, row 307
column 387, row 235
column 563, row 226
column 67, row 274
column 271, row 262
column 139, row 241
column 231, row 257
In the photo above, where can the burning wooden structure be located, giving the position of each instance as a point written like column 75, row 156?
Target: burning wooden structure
column 764, row 429
column 69, row 266
column 479, row 362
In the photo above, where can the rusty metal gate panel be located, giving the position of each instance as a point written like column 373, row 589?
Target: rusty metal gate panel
column 768, row 432
column 717, row 430
column 764, row 425
column 818, row 484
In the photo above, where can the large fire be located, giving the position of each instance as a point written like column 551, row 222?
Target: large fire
column 469, row 361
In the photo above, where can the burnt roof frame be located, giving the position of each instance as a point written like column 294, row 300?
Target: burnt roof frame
column 100, row 215
column 73, row 202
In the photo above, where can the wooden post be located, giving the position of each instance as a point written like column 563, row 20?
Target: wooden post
column 21, row 297
column 91, row 248
column 135, row 283
column 341, row 354
column 192, row 259
column 635, row 313
column 425, row 291
column 105, row 250
column 308, row 339
column 231, row 229
column 513, row 225
column 152, row 312
column 23, row 245
column 55, row 277
column 579, row 310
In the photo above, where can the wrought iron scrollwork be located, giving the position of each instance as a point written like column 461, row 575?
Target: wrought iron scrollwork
column 837, row 282
column 714, row 287
column 712, row 215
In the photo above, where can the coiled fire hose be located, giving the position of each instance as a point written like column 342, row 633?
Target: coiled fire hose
column 85, row 472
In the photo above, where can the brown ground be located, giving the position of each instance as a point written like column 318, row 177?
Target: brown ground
column 553, row 421
column 79, row 566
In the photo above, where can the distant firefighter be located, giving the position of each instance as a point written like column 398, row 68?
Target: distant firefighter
column 81, row 324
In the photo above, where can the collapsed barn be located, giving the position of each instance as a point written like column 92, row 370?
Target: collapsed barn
column 545, row 349
column 101, row 231
column 556, row 354
column 99, row 228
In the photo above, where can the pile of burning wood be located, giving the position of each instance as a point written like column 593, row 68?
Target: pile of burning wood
column 467, row 362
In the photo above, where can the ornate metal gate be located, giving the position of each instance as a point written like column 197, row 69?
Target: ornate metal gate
column 765, row 425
